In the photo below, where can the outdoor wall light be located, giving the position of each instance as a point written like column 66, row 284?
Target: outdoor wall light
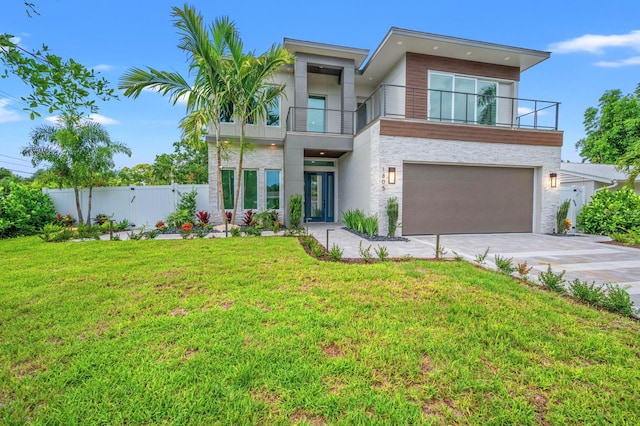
column 392, row 175
column 554, row 179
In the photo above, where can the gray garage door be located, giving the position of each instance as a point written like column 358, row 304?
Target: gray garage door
column 446, row 199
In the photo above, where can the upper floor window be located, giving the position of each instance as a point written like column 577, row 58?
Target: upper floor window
column 226, row 113
column 462, row 99
column 316, row 114
column 273, row 113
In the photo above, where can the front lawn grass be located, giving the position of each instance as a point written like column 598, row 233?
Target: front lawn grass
column 254, row 331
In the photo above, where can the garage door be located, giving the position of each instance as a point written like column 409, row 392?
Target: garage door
column 447, row 199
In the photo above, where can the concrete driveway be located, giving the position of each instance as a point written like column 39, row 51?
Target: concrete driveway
column 584, row 257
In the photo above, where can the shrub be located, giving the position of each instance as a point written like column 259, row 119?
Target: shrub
column 203, row 217
column 179, row 218
column 295, row 210
column 24, row 211
column 188, row 202
column 592, row 294
column 370, row 226
column 523, row 270
column 229, row 216
column 248, row 218
column 382, row 252
column 611, row 212
column 553, row 281
column 561, row 217
column 392, row 215
column 235, row 232
column 481, row 258
column 67, row 220
column 52, row 232
column 504, row 265
column 365, row 253
column 617, row 300
column 101, row 219
column 632, row 237
column 335, row 253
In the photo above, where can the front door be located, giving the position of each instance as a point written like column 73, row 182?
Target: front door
column 318, row 197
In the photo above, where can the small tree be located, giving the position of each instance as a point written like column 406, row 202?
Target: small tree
column 78, row 151
column 295, row 210
column 392, row 215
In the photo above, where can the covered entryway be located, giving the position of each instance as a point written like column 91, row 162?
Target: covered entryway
column 454, row 199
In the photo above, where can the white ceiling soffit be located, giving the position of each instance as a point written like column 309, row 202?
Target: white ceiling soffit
column 398, row 41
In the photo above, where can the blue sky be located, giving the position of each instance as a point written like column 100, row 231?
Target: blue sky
column 595, row 48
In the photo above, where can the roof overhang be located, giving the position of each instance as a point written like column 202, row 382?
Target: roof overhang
column 399, row 41
column 300, row 46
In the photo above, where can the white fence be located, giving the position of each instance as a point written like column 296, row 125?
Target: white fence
column 140, row 205
column 577, row 196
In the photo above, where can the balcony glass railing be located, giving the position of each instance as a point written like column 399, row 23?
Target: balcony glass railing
column 315, row 120
column 458, row 107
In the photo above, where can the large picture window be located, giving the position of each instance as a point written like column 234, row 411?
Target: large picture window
column 462, row 99
column 250, row 182
column 227, row 187
column 273, row 189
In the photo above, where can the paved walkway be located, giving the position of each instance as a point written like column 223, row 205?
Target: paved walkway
column 584, row 257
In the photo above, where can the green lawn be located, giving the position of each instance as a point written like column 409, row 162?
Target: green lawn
column 254, row 331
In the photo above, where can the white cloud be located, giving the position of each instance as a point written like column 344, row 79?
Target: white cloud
column 102, row 67
column 182, row 100
column 98, row 118
column 635, row 60
column 8, row 115
column 597, row 43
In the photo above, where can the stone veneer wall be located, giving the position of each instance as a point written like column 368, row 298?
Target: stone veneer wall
column 261, row 158
column 392, row 151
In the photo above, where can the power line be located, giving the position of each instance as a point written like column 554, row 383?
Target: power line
column 16, row 158
column 21, row 171
column 15, row 164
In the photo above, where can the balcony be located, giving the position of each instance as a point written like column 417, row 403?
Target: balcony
column 485, row 109
column 428, row 105
column 323, row 121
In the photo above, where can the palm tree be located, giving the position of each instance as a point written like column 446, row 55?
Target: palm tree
column 77, row 151
column 206, row 48
column 251, row 92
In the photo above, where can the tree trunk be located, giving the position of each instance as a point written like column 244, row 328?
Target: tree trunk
column 219, row 174
column 78, row 207
column 89, row 206
column 237, row 197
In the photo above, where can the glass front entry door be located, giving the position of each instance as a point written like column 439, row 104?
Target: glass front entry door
column 318, row 197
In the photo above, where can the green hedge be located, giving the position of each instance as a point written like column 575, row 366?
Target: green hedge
column 611, row 212
column 24, row 211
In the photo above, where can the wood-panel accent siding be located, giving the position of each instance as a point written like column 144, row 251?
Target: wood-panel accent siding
column 419, row 65
column 469, row 133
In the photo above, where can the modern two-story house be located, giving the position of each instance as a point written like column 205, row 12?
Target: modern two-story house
column 432, row 120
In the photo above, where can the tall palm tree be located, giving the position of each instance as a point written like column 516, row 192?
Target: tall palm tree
column 206, row 48
column 77, row 150
column 251, row 91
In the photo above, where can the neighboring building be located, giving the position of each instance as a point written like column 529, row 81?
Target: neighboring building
column 593, row 177
column 432, row 120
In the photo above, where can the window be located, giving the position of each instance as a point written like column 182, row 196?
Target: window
column 226, row 113
column 227, row 187
column 462, row 99
column 273, row 113
column 250, row 182
column 273, row 189
column 315, row 114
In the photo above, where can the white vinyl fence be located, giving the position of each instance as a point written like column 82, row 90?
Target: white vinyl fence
column 577, row 196
column 140, row 205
